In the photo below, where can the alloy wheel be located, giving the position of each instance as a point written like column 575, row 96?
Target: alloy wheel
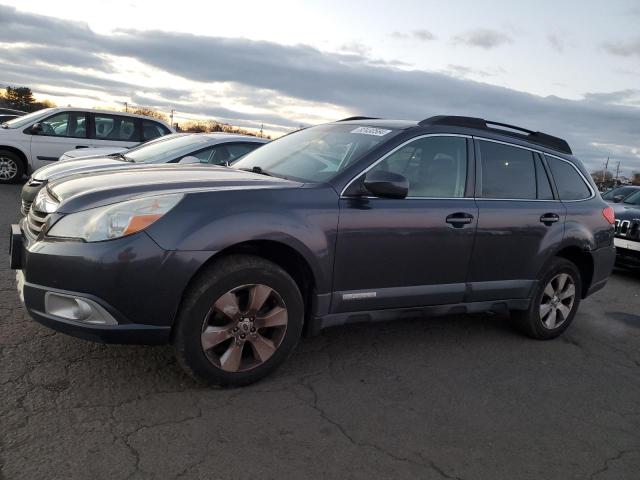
column 557, row 301
column 244, row 328
column 8, row 168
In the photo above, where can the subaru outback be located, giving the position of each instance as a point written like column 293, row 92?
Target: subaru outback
column 356, row 220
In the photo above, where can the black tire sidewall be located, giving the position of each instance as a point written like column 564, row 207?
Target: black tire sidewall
column 191, row 318
column 19, row 167
column 557, row 266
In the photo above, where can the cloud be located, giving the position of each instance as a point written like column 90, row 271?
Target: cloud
column 556, row 41
column 271, row 79
column 626, row 48
column 629, row 96
column 421, row 34
column 463, row 71
column 482, row 38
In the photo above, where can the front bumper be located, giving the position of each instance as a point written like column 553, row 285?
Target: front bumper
column 627, row 252
column 131, row 280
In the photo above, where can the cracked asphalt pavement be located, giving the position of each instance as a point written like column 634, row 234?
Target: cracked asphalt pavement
column 461, row 397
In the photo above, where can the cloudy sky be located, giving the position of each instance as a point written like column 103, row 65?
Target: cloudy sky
column 569, row 68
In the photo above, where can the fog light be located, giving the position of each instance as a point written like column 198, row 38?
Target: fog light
column 78, row 309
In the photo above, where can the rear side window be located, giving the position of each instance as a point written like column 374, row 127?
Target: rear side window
column 111, row 127
column 151, row 130
column 507, row 172
column 569, row 182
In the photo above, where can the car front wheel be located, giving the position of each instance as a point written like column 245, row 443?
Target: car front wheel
column 239, row 321
column 554, row 304
column 11, row 168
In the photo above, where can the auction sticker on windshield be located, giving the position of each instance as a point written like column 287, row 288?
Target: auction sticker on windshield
column 378, row 132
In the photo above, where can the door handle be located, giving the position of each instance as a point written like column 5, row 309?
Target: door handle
column 459, row 219
column 82, row 146
column 549, row 218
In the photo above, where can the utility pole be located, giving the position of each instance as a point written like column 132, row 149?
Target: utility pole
column 617, row 172
column 126, row 107
column 261, row 128
column 606, row 170
column 172, row 112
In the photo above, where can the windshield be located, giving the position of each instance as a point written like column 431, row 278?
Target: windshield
column 26, row 119
column 633, row 199
column 315, row 154
column 168, row 148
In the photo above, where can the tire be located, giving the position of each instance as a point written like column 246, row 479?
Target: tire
column 11, row 167
column 220, row 307
column 538, row 321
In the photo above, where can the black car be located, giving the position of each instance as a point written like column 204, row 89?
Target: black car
column 618, row 194
column 357, row 220
column 9, row 114
column 627, row 231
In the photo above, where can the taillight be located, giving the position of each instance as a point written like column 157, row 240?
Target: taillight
column 607, row 213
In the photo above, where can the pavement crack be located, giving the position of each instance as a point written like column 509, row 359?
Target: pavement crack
column 343, row 431
column 610, row 460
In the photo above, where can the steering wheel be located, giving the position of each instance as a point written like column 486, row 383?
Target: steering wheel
column 47, row 129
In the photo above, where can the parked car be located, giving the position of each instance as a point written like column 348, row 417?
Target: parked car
column 210, row 148
column 39, row 138
column 627, row 230
column 618, row 194
column 93, row 152
column 9, row 114
column 360, row 219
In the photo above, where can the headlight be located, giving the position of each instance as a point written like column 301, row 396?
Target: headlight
column 114, row 221
column 44, row 202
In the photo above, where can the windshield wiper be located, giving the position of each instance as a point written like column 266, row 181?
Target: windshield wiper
column 257, row 169
column 122, row 157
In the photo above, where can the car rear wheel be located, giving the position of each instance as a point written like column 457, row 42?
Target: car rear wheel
column 11, row 167
column 239, row 321
column 554, row 304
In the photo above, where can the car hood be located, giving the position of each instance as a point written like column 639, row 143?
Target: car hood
column 63, row 169
column 90, row 152
column 97, row 188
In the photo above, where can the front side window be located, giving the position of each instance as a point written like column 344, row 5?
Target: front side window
column 316, row 154
column 569, row 182
column 111, row 127
column 507, row 172
column 434, row 166
column 67, row 124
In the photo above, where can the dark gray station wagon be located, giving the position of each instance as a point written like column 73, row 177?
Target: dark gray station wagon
column 361, row 219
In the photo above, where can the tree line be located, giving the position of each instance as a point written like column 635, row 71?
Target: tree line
column 21, row 98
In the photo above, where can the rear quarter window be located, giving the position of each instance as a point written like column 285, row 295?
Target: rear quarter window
column 570, row 184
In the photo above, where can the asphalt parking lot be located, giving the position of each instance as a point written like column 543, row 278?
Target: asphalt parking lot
column 441, row 398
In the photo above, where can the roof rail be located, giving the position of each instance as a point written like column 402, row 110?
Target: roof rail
column 539, row 138
column 357, row 118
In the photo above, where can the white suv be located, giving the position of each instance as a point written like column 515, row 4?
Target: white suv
column 39, row 138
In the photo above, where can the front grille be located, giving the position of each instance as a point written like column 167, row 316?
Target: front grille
column 25, row 207
column 35, row 221
column 627, row 228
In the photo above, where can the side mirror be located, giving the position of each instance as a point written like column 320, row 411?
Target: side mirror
column 36, row 128
column 386, row 184
column 618, row 198
column 189, row 159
